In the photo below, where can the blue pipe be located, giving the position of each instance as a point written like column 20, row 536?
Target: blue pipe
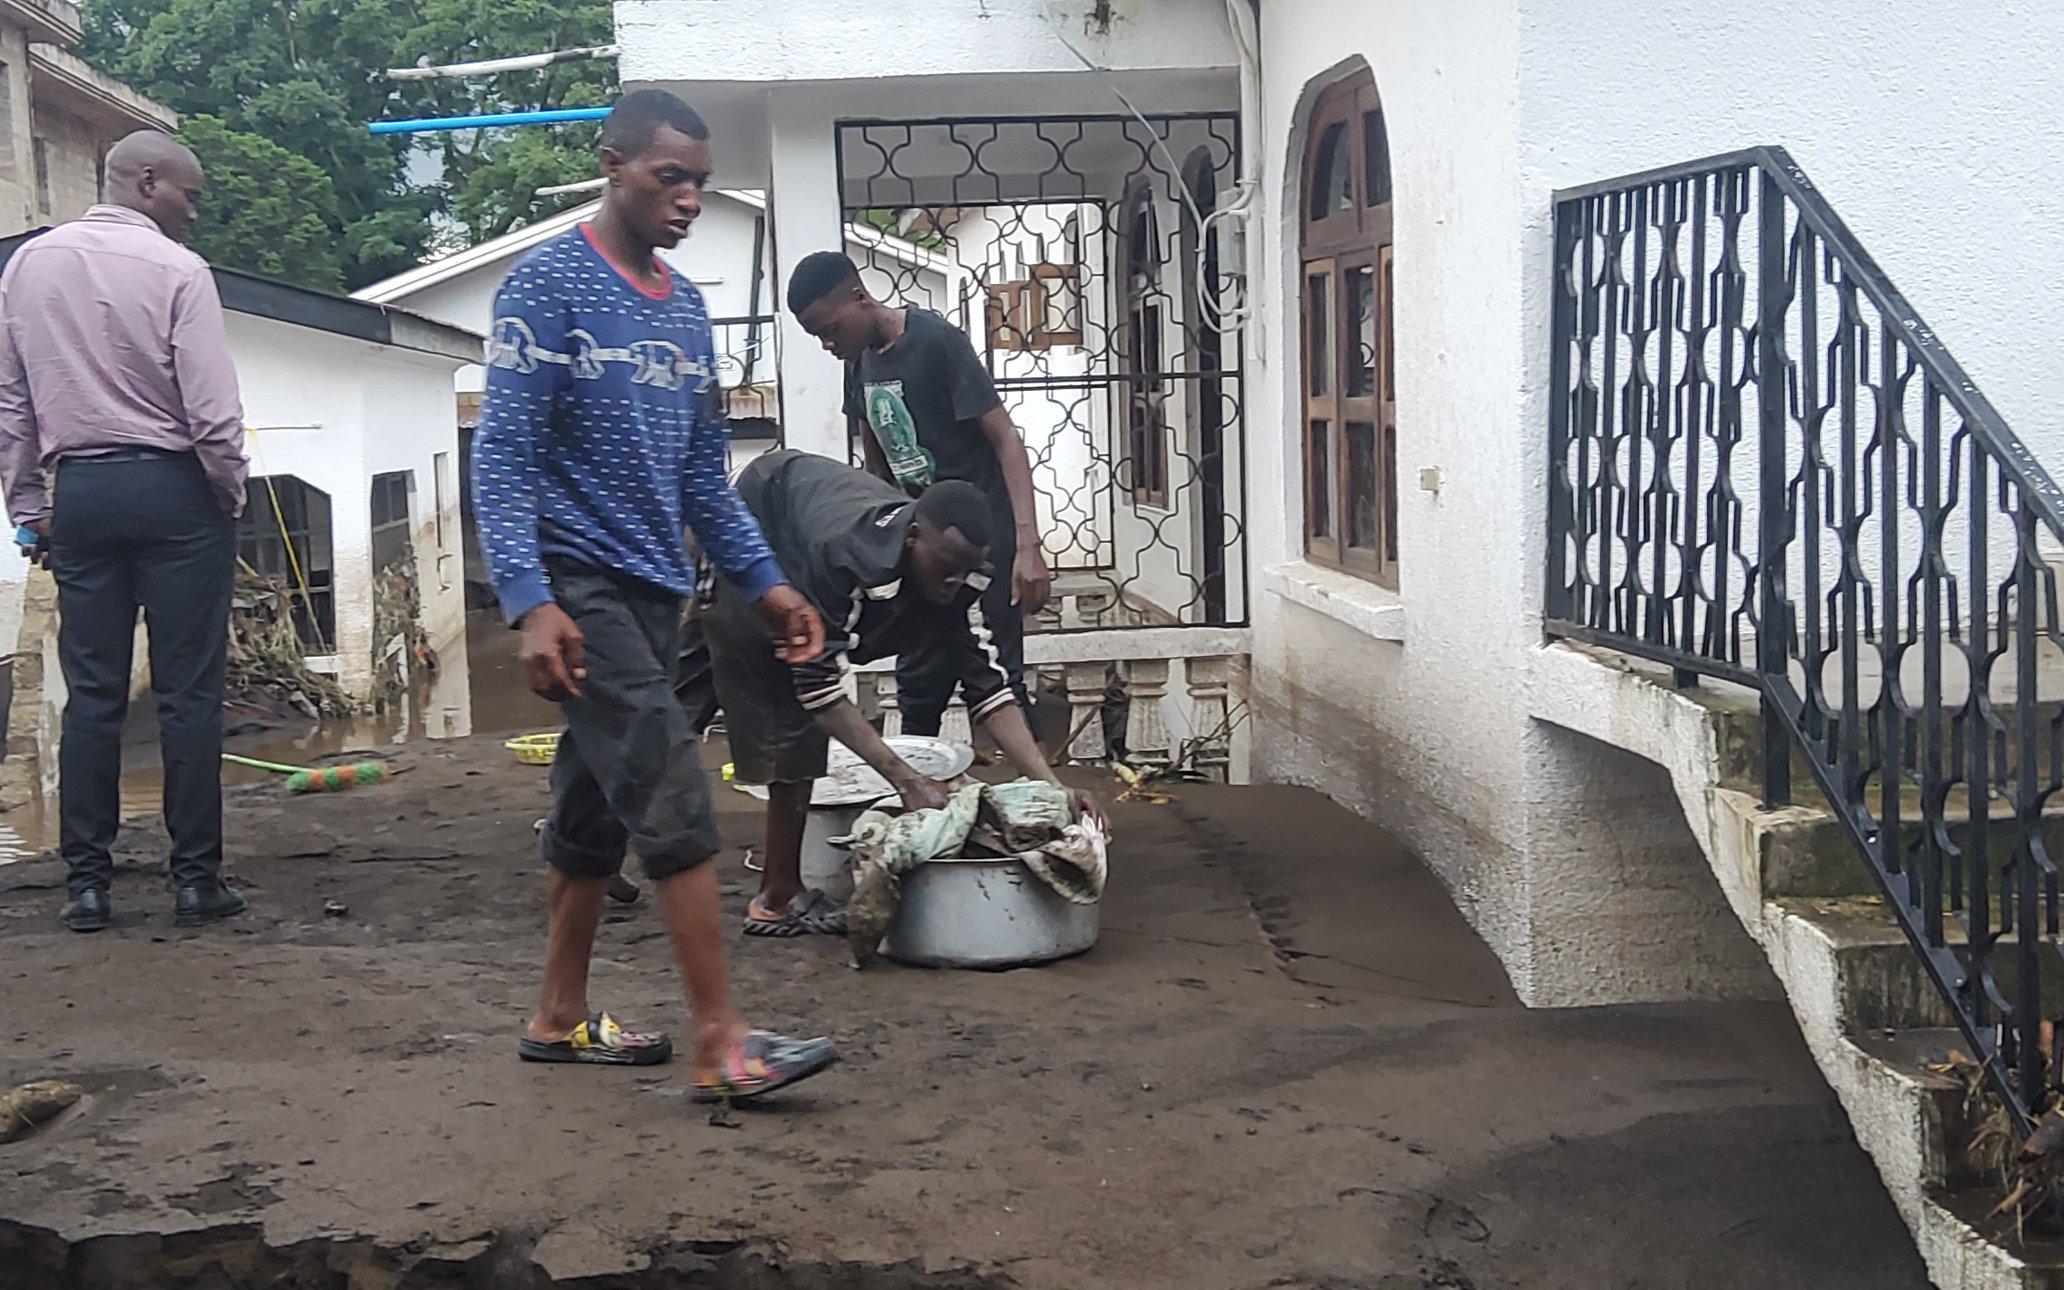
column 553, row 117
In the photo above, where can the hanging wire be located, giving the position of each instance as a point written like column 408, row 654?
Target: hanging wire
column 1224, row 319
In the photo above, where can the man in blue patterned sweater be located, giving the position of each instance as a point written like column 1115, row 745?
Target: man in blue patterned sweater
column 600, row 442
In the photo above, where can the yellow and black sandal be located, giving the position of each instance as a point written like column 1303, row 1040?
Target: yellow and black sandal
column 599, row 1041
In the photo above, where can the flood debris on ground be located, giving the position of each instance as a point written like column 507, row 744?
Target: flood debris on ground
column 26, row 1108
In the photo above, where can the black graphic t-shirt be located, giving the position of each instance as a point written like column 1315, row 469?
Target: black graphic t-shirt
column 923, row 398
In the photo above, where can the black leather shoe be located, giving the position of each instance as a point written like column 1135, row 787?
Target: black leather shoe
column 199, row 903
column 89, row 911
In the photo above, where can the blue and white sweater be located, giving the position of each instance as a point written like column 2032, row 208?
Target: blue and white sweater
column 600, row 436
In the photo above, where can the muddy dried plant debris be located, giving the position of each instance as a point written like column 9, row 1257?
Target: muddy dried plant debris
column 26, row 1108
column 402, row 656
column 266, row 656
column 2031, row 1173
column 876, row 894
column 2035, row 1200
column 1186, row 766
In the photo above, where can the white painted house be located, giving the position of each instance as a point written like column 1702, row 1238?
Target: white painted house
column 353, row 430
column 1289, row 287
column 353, row 443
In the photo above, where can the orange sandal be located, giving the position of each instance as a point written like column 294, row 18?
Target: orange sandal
column 762, row 1063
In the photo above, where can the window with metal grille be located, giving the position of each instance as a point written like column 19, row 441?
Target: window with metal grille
column 1034, row 235
column 1350, row 401
column 285, row 535
column 1039, row 311
column 392, row 495
column 1147, row 389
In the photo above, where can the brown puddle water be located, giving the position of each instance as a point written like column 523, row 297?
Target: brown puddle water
column 501, row 705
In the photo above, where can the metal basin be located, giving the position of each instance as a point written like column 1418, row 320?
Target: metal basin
column 828, row 868
column 848, row 787
column 985, row 912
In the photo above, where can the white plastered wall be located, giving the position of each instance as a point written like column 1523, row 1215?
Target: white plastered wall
column 1424, row 735
column 1932, row 136
column 17, row 176
column 773, row 97
column 411, row 424
column 333, row 412
column 73, row 146
column 1936, row 139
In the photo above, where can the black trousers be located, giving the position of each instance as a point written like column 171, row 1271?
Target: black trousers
column 140, row 531
column 926, row 679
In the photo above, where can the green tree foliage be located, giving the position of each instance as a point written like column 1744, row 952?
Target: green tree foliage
column 305, row 76
column 267, row 209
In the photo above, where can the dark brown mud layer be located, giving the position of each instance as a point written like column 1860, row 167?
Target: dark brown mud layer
column 1288, row 1063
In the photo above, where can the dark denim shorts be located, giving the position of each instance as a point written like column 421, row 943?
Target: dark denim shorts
column 629, row 772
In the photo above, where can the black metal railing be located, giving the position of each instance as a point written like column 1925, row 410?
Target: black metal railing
column 1766, row 468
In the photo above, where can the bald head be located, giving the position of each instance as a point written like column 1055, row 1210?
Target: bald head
column 157, row 175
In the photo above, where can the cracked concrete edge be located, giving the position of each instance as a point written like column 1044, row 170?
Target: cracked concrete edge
column 1889, row 1112
column 239, row 1251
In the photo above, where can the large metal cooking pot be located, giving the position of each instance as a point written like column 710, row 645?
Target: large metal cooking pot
column 985, row 912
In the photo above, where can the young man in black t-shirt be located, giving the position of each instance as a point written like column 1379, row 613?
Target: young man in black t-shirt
column 924, row 409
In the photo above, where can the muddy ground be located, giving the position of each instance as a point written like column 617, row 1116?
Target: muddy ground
column 1289, row 1063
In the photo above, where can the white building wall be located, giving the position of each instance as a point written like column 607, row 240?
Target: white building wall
column 334, row 412
column 1936, row 140
column 72, row 145
column 1931, row 137
column 305, row 407
column 1424, row 735
column 826, row 40
column 17, row 148
column 1937, row 137
column 411, row 424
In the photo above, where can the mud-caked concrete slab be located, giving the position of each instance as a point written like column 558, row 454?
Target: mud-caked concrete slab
column 1288, row 1062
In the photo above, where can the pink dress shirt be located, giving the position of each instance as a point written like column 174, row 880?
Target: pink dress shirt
column 111, row 337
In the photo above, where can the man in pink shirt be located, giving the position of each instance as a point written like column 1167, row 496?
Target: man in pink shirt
column 122, row 449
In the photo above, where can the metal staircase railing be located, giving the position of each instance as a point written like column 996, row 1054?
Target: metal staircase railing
column 1765, row 468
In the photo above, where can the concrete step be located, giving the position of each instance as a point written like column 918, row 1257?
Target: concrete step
column 1916, row 1055
column 1806, row 852
column 1958, row 1202
column 1735, row 716
column 1855, row 990
column 1864, row 1004
column 1883, row 984
column 1880, row 983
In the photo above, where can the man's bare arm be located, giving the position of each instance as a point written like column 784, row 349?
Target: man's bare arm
column 1031, row 582
column 843, row 722
column 871, row 453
